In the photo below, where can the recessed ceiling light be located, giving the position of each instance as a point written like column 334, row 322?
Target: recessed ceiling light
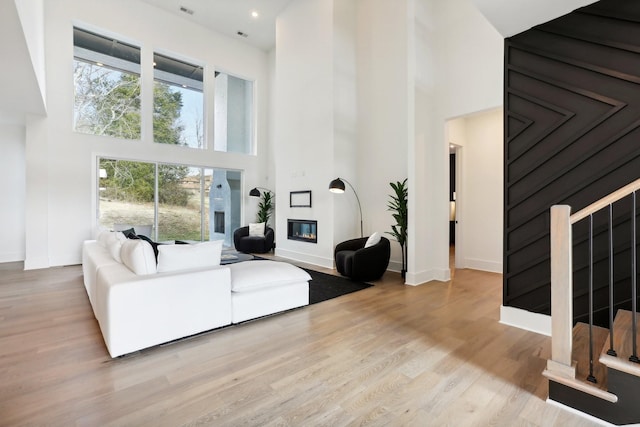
column 254, row 14
column 186, row 10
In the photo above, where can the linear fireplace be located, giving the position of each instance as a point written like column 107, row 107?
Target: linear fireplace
column 305, row 230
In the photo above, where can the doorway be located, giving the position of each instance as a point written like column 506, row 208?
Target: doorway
column 475, row 146
column 453, row 170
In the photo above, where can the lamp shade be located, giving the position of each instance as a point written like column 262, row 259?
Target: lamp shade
column 254, row 192
column 336, row 186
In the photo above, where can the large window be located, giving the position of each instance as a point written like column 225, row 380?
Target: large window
column 233, row 114
column 107, row 86
column 177, row 102
column 169, row 201
column 107, row 98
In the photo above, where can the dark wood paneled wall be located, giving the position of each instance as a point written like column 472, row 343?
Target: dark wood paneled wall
column 572, row 136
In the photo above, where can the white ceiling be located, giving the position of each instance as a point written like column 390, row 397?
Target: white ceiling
column 511, row 17
column 230, row 16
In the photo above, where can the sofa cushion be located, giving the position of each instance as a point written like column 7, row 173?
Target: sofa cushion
column 153, row 244
column 252, row 275
column 138, row 256
column 114, row 241
column 183, row 257
column 103, row 237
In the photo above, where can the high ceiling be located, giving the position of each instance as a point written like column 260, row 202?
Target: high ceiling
column 231, row 16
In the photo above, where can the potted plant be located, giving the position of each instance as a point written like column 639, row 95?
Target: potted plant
column 399, row 206
column 265, row 207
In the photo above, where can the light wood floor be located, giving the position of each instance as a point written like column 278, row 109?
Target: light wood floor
column 390, row 355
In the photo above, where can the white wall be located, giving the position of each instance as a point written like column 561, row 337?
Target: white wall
column 418, row 63
column 479, row 206
column 20, row 85
column 31, row 14
column 304, row 124
column 464, row 53
column 316, row 124
column 12, row 193
column 346, row 153
column 60, row 164
column 385, row 109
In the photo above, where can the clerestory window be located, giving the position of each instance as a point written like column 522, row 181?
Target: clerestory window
column 177, row 102
column 233, row 114
column 107, row 86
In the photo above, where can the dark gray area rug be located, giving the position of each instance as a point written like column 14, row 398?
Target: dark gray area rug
column 326, row 286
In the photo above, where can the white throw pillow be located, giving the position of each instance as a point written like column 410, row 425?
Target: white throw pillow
column 373, row 240
column 256, row 229
column 114, row 242
column 138, row 256
column 183, row 257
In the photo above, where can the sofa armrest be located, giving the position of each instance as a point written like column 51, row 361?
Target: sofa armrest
column 350, row 245
column 269, row 237
column 137, row 312
column 239, row 233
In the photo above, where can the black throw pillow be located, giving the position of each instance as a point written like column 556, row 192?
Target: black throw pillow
column 153, row 244
column 130, row 233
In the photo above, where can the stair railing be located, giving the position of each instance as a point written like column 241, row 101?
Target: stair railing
column 561, row 366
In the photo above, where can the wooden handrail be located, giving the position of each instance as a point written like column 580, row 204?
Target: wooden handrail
column 606, row 201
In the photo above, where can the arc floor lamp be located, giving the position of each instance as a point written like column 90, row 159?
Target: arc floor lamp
column 337, row 186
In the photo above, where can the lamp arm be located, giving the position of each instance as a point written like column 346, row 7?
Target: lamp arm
column 359, row 205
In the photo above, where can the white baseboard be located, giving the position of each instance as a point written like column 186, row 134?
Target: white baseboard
column 395, row 266
column 35, row 263
column 422, row 277
column 523, row 319
column 480, row 264
column 302, row 257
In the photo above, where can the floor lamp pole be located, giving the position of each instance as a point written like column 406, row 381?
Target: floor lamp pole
column 359, row 206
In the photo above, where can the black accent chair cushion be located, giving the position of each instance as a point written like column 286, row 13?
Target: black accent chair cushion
column 253, row 244
column 359, row 263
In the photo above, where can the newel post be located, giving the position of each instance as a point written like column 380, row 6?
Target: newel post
column 561, row 292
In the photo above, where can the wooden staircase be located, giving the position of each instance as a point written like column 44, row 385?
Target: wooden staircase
column 615, row 397
column 591, row 369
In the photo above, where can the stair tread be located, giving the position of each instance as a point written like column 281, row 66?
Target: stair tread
column 580, row 353
column 622, row 340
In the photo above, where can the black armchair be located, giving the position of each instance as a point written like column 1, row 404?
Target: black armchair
column 359, row 263
column 253, row 244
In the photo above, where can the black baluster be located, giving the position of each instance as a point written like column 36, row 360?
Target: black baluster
column 611, row 351
column 634, row 290
column 591, row 378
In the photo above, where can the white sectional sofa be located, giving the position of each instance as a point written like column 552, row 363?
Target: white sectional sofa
column 140, row 303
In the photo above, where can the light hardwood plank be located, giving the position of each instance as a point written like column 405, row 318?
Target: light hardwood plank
column 388, row 355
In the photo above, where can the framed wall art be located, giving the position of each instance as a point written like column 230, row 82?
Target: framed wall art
column 300, row 199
